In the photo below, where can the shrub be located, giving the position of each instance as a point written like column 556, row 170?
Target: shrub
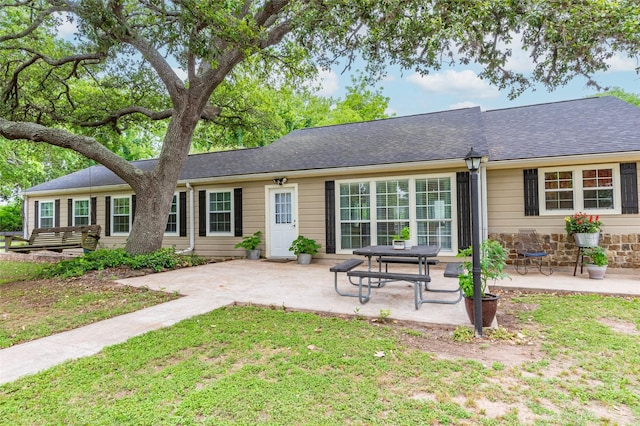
column 165, row 258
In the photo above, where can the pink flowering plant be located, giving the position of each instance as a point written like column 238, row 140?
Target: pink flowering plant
column 582, row 223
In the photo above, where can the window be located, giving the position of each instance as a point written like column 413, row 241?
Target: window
column 220, row 214
column 355, row 224
column 283, row 208
column 121, row 215
column 172, row 221
column 558, row 187
column 434, row 212
column 81, row 212
column 46, row 214
column 424, row 204
column 589, row 188
column 392, row 209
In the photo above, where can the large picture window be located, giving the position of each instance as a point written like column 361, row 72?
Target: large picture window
column 81, row 212
column 590, row 188
column 46, row 214
column 220, row 212
column 373, row 212
column 121, row 215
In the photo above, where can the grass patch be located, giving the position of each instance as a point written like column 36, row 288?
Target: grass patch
column 18, row 271
column 248, row 365
column 41, row 299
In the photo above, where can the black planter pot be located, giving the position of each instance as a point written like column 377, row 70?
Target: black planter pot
column 489, row 308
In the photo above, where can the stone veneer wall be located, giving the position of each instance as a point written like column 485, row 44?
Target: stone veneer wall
column 623, row 251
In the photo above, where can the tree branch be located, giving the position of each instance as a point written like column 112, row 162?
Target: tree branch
column 35, row 24
column 86, row 146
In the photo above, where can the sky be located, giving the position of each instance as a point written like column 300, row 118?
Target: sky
column 460, row 87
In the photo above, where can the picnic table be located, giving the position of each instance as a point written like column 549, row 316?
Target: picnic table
column 366, row 279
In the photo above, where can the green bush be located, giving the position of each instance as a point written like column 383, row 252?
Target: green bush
column 165, row 258
column 11, row 217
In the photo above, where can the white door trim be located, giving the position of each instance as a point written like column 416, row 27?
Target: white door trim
column 268, row 189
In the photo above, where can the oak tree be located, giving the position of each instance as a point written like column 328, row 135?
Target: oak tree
column 120, row 68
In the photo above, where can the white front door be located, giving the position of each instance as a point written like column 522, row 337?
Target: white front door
column 282, row 221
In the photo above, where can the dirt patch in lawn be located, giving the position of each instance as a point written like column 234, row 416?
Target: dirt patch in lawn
column 514, row 342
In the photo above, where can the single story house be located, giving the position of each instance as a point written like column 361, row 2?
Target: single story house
column 358, row 184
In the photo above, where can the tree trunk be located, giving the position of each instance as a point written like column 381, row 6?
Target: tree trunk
column 155, row 193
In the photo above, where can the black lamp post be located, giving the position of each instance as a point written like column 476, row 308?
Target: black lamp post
column 473, row 164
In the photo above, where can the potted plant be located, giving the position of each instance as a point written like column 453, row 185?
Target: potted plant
column 400, row 241
column 250, row 243
column 584, row 228
column 304, row 248
column 493, row 260
column 598, row 265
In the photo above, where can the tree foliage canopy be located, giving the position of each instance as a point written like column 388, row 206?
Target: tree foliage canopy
column 118, row 73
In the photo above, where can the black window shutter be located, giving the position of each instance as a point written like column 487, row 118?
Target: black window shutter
column 107, row 216
column 202, row 213
column 94, row 211
column 133, row 207
column 629, row 188
column 69, row 212
column 531, row 201
column 464, row 209
column 330, row 216
column 56, row 214
column 36, row 214
column 182, row 213
column 237, row 212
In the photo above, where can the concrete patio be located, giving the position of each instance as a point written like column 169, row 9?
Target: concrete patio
column 280, row 284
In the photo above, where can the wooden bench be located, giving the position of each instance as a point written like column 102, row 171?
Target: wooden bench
column 57, row 239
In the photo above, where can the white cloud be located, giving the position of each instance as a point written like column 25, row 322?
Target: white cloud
column 67, row 28
column 460, row 83
column 391, row 112
column 327, row 82
column 622, row 63
column 465, row 104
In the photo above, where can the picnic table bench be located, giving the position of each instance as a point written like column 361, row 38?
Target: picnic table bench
column 416, row 279
column 369, row 278
column 406, row 260
column 56, row 239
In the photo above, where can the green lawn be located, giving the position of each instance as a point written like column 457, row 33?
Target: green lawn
column 248, row 365
column 34, row 308
column 15, row 271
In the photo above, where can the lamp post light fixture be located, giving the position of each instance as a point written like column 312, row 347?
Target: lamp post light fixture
column 473, row 164
column 280, row 181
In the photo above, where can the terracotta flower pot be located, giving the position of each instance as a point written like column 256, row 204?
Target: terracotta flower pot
column 489, row 308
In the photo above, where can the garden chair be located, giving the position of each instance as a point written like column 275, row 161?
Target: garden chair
column 529, row 250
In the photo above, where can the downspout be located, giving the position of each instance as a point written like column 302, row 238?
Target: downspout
column 484, row 207
column 25, row 218
column 192, row 226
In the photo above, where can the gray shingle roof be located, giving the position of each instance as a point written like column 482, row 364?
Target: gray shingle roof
column 585, row 126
